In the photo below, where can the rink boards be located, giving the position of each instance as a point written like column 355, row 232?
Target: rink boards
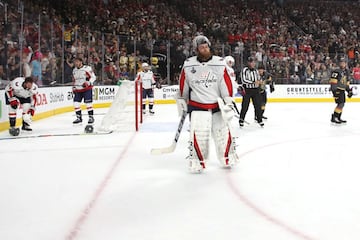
column 57, row 100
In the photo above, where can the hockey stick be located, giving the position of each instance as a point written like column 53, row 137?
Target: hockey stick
column 238, row 113
column 55, row 135
column 171, row 148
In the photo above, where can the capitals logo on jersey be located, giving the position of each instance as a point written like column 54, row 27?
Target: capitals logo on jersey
column 206, row 78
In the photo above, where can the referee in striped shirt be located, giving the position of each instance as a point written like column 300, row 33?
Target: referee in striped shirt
column 250, row 81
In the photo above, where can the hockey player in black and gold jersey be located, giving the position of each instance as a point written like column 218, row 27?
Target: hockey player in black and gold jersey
column 339, row 84
column 265, row 79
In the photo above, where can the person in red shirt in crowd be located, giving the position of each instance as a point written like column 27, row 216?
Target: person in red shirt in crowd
column 356, row 73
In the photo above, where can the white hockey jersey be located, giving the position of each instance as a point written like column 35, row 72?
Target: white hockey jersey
column 147, row 79
column 15, row 89
column 80, row 76
column 233, row 77
column 201, row 83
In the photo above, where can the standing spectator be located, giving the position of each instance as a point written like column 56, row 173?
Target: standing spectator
column 36, row 71
column 68, row 69
column 111, row 72
column 26, row 57
column 250, row 81
column 83, row 79
column 356, row 73
column 146, row 77
column 339, row 83
column 325, row 74
column 203, row 80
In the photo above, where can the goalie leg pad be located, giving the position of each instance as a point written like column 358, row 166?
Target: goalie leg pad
column 225, row 143
column 199, row 140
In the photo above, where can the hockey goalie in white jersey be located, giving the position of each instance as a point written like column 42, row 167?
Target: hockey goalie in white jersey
column 204, row 83
column 21, row 93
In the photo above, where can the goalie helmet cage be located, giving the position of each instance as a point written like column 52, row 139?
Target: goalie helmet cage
column 125, row 113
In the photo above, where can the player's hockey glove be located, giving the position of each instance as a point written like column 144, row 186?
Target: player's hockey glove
column 31, row 111
column 158, row 85
column 86, row 84
column 350, row 93
column 272, row 88
column 226, row 106
column 241, row 90
column 14, row 102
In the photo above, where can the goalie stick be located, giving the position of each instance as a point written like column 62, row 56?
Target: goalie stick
column 171, row 148
column 238, row 113
column 55, row 135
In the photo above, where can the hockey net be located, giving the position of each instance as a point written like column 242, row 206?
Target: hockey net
column 124, row 114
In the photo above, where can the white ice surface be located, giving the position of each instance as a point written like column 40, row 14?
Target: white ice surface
column 297, row 179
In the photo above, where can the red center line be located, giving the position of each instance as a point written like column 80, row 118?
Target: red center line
column 90, row 206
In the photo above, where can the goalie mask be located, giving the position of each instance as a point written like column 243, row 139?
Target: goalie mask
column 198, row 40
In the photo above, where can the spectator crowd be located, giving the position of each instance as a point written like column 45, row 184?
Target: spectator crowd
column 297, row 41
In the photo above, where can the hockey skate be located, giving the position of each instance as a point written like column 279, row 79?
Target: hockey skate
column 342, row 120
column 261, row 124
column 335, row 120
column 144, row 111
column 195, row 166
column 13, row 131
column 241, row 122
column 231, row 161
column 91, row 119
column 151, row 112
column 77, row 120
column 26, row 127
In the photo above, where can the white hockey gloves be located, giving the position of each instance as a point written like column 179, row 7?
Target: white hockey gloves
column 226, row 106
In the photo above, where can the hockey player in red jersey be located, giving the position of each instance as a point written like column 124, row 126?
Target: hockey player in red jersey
column 21, row 93
column 204, row 83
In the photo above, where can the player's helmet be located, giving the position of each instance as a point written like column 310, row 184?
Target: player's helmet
column 355, row 90
column 198, row 40
column 230, row 61
column 145, row 66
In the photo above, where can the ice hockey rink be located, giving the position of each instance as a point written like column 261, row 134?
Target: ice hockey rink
column 297, row 179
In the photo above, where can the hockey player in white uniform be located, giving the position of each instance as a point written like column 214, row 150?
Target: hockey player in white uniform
column 83, row 80
column 203, row 81
column 21, row 93
column 146, row 76
column 230, row 62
